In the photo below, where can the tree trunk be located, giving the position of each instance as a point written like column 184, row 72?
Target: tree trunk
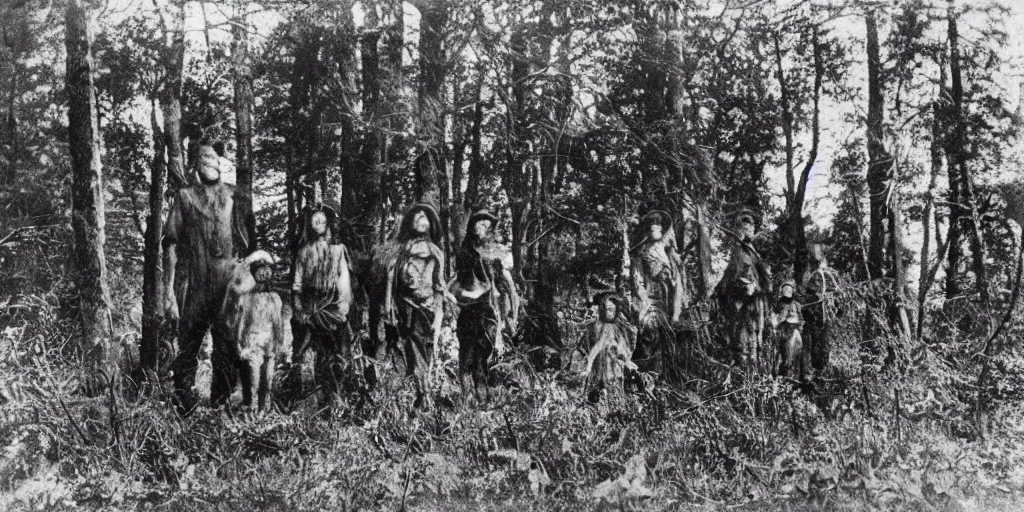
column 430, row 165
column 152, row 273
column 958, row 159
column 879, row 175
column 375, row 138
column 797, row 228
column 98, row 347
column 241, row 61
column 935, row 150
column 172, row 55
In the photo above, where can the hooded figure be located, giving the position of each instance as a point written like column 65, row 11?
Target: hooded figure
column 819, row 286
column 610, row 341
column 413, row 299
column 208, row 228
column 787, row 321
column 487, row 300
column 659, row 290
column 321, row 300
column 252, row 312
column 743, row 294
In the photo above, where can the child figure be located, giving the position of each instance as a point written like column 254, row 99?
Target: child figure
column 610, row 341
column 787, row 321
column 253, row 314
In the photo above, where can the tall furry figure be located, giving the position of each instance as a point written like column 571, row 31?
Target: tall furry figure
column 252, row 312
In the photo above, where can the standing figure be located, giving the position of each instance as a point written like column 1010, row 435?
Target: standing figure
column 743, row 294
column 414, row 293
column 252, row 312
column 212, row 228
column 487, row 300
column 659, row 291
column 321, row 299
column 787, row 321
column 819, row 284
column 610, row 341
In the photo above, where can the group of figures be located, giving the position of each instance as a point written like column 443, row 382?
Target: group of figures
column 768, row 332
column 216, row 282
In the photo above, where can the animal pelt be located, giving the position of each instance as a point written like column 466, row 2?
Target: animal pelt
column 253, row 316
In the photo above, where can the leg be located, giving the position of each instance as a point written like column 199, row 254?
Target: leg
column 266, row 376
column 186, row 363
column 300, row 343
column 464, row 333
column 247, row 374
column 225, row 361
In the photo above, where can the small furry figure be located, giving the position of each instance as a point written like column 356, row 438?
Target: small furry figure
column 787, row 320
column 253, row 314
column 610, row 343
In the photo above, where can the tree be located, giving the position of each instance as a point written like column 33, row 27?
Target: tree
column 87, row 221
column 243, row 99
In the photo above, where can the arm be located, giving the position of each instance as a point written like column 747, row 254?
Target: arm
column 300, row 271
column 170, row 241
column 511, row 297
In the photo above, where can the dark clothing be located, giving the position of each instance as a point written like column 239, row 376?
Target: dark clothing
column 477, row 330
column 210, row 228
column 479, row 272
column 742, row 294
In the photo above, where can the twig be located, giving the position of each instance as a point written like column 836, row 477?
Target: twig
column 73, row 422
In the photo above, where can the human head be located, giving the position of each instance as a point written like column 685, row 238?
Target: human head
column 421, row 222
column 318, row 223
column 816, row 254
column 787, row 289
column 745, row 225
column 208, row 164
column 418, row 216
column 608, row 306
column 656, row 224
column 261, row 266
column 480, row 226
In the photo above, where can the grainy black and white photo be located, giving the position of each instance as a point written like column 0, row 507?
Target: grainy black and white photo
column 511, row 255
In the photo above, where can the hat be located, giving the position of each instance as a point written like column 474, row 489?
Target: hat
column 600, row 297
column 259, row 259
column 481, row 214
column 745, row 215
column 659, row 217
column 405, row 228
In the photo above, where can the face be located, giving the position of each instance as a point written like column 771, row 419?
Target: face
column 482, row 228
column 421, row 222
column 318, row 223
column 263, row 274
column 746, row 229
column 787, row 291
column 209, row 170
column 609, row 310
column 655, row 232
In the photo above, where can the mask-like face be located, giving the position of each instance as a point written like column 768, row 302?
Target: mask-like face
column 609, row 310
column 746, row 229
column 318, row 223
column 209, row 169
column 482, row 228
column 263, row 275
column 421, row 222
column 655, row 232
column 787, row 291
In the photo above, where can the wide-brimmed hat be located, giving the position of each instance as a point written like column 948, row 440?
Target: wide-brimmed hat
column 481, row 214
column 600, row 297
column 259, row 259
column 745, row 215
column 659, row 217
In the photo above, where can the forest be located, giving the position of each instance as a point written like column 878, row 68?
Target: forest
column 508, row 254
